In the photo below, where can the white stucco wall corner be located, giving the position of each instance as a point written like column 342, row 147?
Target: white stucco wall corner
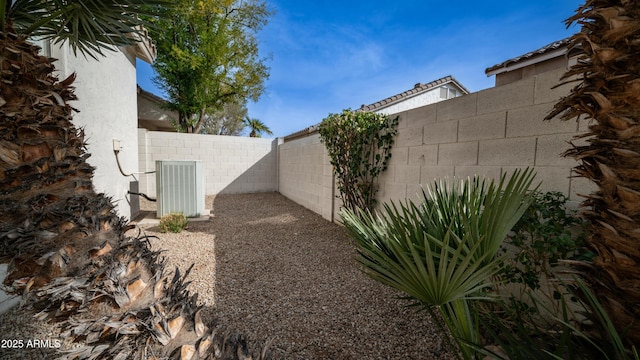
column 107, row 104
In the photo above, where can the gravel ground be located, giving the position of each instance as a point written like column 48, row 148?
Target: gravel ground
column 279, row 273
column 19, row 333
column 273, row 270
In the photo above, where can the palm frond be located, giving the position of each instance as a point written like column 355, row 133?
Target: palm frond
column 442, row 252
column 88, row 26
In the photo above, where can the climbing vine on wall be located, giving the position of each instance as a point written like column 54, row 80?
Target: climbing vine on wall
column 359, row 146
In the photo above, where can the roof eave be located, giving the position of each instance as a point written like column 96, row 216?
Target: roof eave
column 151, row 96
column 144, row 48
column 416, row 91
column 527, row 62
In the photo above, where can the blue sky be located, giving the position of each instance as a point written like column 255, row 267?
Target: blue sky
column 326, row 56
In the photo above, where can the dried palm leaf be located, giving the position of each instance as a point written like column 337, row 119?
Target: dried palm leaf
column 71, row 257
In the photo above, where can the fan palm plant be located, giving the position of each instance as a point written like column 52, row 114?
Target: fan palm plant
column 442, row 252
column 608, row 83
column 89, row 27
column 257, row 127
column 73, row 260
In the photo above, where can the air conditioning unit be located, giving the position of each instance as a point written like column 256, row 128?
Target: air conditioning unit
column 180, row 187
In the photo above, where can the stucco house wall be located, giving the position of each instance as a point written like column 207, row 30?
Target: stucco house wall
column 555, row 55
column 151, row 113
column 106, row 91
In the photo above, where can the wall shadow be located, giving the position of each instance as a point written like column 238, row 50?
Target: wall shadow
column 262, row 176
column 284, row 272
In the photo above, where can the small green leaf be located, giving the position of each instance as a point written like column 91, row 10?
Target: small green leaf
column 359, row 147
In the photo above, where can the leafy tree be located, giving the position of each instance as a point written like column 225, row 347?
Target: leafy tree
column 72, row 258
column 228, row 121
column 208, row 56
column 257, row 127
column 608, row 83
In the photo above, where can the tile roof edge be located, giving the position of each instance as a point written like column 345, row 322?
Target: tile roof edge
column 556, row 45
column 416, row 90
column 150, row 95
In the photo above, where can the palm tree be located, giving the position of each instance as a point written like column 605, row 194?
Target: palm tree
column 257, row 127
column 73, row 260
column 608, row 84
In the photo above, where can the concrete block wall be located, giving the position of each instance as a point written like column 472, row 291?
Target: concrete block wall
column 306, row 175
column 232, row 164
column 489, row 133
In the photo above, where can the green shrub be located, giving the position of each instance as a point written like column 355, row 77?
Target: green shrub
column 359, row 146
column 542, row 333
column 441, row 252
column 546, row 233
column 549, row 316
column 173, row 222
